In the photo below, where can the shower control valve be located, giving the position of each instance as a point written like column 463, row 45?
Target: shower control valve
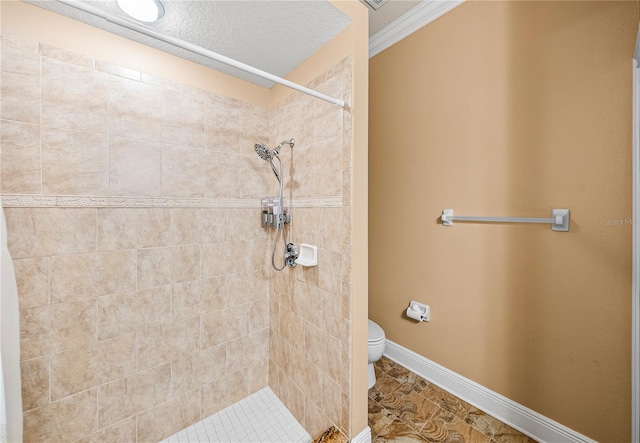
column 291, row 255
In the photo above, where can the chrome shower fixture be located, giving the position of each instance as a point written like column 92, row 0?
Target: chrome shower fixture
column 274, row 211
column 263, row 151
column 265, row 154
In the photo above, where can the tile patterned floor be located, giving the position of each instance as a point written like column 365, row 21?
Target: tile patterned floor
column 404, row 407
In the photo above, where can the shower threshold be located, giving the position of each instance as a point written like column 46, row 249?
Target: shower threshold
column 258, row 418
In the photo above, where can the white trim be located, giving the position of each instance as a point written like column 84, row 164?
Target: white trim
column 363, row 437
column 519, row 417
column 635, row 283
column 408, row 23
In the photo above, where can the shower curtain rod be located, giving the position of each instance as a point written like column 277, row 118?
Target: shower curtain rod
column 130, row 24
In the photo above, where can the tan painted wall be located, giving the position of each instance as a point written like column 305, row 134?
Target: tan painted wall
column 511, row 108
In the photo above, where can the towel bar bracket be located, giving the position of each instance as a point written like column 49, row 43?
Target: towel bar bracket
column 560, row 219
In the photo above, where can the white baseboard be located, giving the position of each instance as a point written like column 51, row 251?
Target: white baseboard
column 507, row 411
column 363, row 437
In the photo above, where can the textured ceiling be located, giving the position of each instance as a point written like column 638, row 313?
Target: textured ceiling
column 272, row 35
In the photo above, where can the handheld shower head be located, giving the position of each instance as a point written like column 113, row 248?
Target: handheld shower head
column 263, row 151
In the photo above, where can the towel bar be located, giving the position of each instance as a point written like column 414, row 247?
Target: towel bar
column 559, row 220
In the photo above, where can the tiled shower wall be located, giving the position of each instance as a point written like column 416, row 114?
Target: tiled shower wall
column 144, row 276
column 310, row 308
column 131, row 206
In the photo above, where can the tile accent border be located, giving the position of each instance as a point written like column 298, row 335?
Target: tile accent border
column 62, row 201
column 363, row 437
column 519, row 417
column 410, row 22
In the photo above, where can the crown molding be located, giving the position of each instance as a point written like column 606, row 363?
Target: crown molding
column 408, row 23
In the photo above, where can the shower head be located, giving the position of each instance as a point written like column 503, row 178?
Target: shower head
column 263, row 151
column 265, row 154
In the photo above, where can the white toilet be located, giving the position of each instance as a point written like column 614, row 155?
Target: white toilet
column 376, row 348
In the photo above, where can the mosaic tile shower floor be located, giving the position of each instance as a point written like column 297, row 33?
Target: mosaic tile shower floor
column 404, row 407
column 258, row 418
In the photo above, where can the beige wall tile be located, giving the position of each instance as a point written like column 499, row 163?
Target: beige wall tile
column 247, row 350
column 244, row 224
column 73, row 97
column 77, row 370
column 49, row 51
column 20, row 88
column 246, row 287
column 186, row 263
column 256, row 174
column 221, row 174
column 198, row 368
column 58, row 327
column 32, row 277
column 233, row 257
column 280, row 352
column 169, row 417
column 35, row 382
column 130, row 395
column 167, row 342
column 82, row 276
column 332, row 314
column 224, row 392
column 135, row 167
column 307, row 375
column 122, row 314
column 306, row 302
column 291, row 396
column 183, row 119
column 65, row 420
column 162, row 266
column 155, row 267
column 34, row 232
column 191, row 225
column 295, row 120
column 182, row 171
column 127, row 228
column 324, row 350
column 331, row 403
column 258, row 375
column 135, row 109
column 160, row 82
column 254, row 125
column 281, row 288
column 124, row 431
column 328, row 274
column 222, row 124
column 291, row 328
column 74, row 162
column 259, row 314
column 117, row 70
column 315, row 422
column 21, row 158
column 332, row 229
column 328, row 167
column 193, row 298
column 221, row 326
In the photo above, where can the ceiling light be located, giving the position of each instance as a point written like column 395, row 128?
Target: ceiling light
column 143, row 10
